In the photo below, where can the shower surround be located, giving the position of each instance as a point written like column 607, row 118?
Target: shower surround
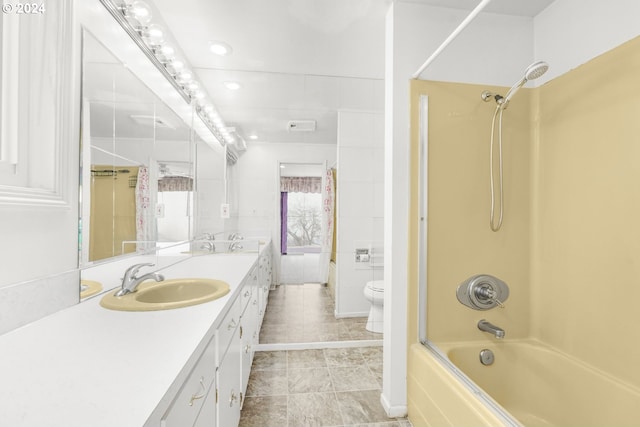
column 569, row 248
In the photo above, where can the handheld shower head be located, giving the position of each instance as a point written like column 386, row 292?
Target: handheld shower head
column 535, row 70
column 532, row 72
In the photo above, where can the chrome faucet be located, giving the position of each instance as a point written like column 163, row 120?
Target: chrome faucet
column 235, row 236
column 130, row 282
column 234, row 245
column 208, row 245
column 485, row 326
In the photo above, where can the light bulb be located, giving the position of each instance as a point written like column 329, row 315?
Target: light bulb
column 153, row 35
column 185, row 76
column 141, row 12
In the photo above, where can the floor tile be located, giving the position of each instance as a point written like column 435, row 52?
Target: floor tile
column 309, row 380
column 343, row 356
column 306, row 359
column 361, row 406
column 313, row 410
column 271, row 382
column 351, row 378
column 268, row 411
column 270, row 360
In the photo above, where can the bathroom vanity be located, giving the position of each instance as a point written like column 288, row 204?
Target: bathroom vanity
column 91, row 366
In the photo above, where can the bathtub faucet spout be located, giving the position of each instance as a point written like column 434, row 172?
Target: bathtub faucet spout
column 485, row 326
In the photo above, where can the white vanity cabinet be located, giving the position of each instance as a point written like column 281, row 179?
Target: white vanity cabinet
column 188, row 404
column 250, row 327
column 232, row 359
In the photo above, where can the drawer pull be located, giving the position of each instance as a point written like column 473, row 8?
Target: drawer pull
column 198, row 396
column 247, row 348
column 247, row 293
column 232, row 324
column 233, row 398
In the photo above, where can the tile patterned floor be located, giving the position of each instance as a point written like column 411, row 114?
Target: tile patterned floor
column 305, row 313
column 320, row 387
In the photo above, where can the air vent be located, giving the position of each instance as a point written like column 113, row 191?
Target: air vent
column 152, row 121
column 301, row 126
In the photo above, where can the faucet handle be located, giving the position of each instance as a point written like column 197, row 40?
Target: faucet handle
column 133, row 270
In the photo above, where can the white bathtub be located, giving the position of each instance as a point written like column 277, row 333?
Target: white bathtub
column 542, row 387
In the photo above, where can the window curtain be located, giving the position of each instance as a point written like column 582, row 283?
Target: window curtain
column 283, row 222
column 301, row 184
column 175, row 183
column 328, row 208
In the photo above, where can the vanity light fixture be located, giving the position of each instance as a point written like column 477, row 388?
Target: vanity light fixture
column 253, row 137
column 135, row 18
column 220, row 48
column 138, row 10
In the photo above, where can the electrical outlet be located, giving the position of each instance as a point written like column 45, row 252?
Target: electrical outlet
column 160, row 210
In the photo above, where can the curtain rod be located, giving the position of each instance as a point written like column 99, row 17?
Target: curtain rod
column 451, row 37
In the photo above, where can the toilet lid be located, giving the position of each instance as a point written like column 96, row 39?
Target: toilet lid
column 377, row 285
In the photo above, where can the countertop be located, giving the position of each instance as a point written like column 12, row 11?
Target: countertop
column 87, row 366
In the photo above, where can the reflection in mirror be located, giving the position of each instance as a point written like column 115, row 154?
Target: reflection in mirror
column 137, row 162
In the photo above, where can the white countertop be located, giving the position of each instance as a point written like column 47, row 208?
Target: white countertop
column 87, row 366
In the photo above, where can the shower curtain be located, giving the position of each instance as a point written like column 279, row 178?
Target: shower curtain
column 145, row 224
column 328, row 207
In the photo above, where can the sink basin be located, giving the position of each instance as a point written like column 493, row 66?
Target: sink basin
column 89, row 288
column 167, row 295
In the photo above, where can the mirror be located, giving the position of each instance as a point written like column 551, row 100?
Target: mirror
column 138, row 162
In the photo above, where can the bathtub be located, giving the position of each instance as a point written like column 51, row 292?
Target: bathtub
column 539, row 386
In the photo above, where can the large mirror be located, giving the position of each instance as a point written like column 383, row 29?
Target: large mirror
column 138, row 162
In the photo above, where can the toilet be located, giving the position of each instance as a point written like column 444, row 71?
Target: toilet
column 374, row 293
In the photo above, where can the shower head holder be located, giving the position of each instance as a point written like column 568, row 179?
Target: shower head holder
column 488, row 96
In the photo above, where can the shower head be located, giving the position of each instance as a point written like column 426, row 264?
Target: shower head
column 535, row 70
column 532, row 72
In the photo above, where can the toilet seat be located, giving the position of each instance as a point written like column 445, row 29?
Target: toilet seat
column 376, row 285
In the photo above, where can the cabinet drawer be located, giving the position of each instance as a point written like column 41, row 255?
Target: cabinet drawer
column 228, row 327
column 185, row 407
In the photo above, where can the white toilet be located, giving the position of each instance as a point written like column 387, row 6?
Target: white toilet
column 374, row 293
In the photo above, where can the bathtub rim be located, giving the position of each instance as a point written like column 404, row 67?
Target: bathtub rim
column 478, row 393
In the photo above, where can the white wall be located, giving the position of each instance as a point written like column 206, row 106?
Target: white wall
column 360, row 206
column 571, row 32
column 255, row 185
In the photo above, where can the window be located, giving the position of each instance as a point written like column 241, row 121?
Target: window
column 304, row 222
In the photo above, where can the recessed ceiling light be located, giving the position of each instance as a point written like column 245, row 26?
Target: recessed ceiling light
column 232, row 85
column 220, row 48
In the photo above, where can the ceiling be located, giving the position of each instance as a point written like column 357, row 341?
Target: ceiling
column 292, row 58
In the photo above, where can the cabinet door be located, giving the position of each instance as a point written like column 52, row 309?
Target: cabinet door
column 229, row 386
column 188, row 402
column 247, row 335
column 207, row 416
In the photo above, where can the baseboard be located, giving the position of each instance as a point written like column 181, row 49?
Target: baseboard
column 317, row 345
column 353, row 314
column 398, row 411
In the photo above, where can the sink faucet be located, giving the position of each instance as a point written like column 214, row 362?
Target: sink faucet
column 485, row 326
column 208, row 245
column 235, row 236
column 233, row 246
column 130, row 282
